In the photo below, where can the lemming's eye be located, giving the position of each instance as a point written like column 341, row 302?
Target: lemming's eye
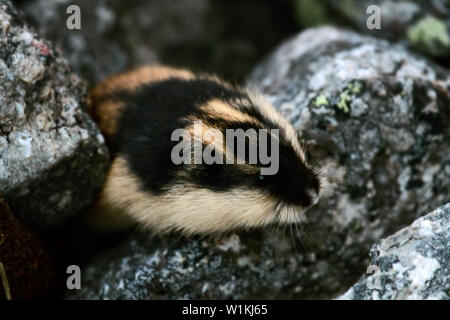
column 261, row 177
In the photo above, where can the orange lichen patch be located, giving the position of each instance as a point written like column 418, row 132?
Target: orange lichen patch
column 27, row 268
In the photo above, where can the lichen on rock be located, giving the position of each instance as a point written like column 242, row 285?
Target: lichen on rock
column 425, row 25
column 430, row 35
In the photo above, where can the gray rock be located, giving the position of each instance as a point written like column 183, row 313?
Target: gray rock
column 52, row 156
column 233, row 266
column 110, row 39
column 378, row 115
column 425, row 25
column 117, row 35
column 414, row 263
column 381, row 117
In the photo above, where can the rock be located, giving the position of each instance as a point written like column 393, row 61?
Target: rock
column 27, row 266
column 380, row 117
column 52, row 156
column 170, row 268
column 411, row 264
column 111, row 39
column 424, row 25
column 204, row 35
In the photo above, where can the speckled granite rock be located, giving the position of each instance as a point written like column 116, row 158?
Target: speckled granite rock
column 379, row 115
column 232, row 267
column 423, row 24
column 414, row 263
column 52, row 156
column 110, row 39
column 382, row 116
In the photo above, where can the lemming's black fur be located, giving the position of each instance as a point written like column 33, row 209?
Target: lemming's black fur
column 157, row 109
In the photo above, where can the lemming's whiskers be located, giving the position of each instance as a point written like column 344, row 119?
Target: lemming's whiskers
column 274, row 227
column 292, row 235
column 299, row 234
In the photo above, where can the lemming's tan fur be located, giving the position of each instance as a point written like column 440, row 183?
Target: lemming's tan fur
column 106, row 115
column 273, row 115
column 132, row 80
column 184, row 207
column 219, row 109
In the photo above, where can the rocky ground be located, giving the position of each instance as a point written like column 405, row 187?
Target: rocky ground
column 377, row 112
column 411, row 264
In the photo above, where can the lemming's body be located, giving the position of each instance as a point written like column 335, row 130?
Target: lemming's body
column 137, row 113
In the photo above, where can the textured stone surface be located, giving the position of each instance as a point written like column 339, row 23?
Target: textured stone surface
column 425, row 25
column 414, row 263
column 52, row 156
column 381, row 115
column 378, row 115
column 109, row 41
column 230, row 267
column 115, row 35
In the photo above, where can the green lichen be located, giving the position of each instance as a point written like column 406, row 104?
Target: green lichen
column 321, row 101
column 344, row 99
column 430, row 34
column 310, row 13
column 355, row 87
